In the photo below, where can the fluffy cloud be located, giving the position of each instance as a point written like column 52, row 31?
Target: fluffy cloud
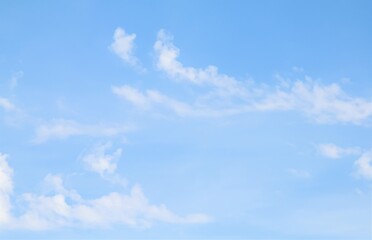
column 167, row 55
column 61, row 129
column 364, row 165
column 98, row 160
column 123, row 46
column 66, row 208
column 333, row 151
column 6, row 104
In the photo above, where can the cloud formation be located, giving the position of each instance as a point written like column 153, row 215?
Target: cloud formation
column 133, row 210
column 152, row 98
column 331, row 150
column 6, row 104
column 225, row 95
column 98, row 160
column 123, row 46
column 167, row 55
column 324, row 103
column 66, row 208
column 364, row 165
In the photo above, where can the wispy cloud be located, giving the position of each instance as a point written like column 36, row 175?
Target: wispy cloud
column 151, row 98
column 167, row 55
column 324, row 103
column 54, row 183
column 123, row 46
column 133, row 209
column 98, row 160
column 62, row 129
column 364, row 165
column 331, row 150
column 224, row 95
column 66, row 208
column 6, row 104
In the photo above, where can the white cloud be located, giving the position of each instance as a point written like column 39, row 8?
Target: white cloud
column 6, row 104
column 333, row 151
column 66, row 208
column 62, row 129
column 54, row 183
column 364, row 165
column 132, row 95
column 323, row 103
column 133, row 209
column 154, row 100
column 299, row 173
column 123, row 46
column 98, row 160
column 6, row 189
column 167, row 55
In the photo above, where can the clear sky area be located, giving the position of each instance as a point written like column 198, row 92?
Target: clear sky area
column 186, row 119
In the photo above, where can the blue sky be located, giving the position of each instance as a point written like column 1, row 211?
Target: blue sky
column 185, row 120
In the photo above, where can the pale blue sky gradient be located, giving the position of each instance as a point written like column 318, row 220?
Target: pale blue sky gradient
column 275, row 144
